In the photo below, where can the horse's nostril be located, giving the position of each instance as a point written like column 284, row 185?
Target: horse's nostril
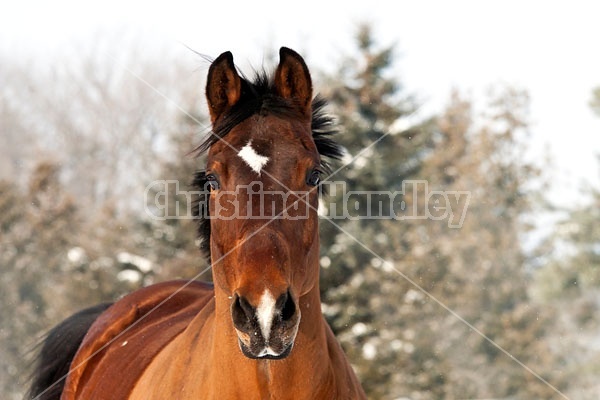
column 289, row 308
column 241, row 311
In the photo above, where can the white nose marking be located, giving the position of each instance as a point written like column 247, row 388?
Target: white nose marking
column 252, row 158
column 265, row 313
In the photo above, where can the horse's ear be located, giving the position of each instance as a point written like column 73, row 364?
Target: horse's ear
column 292, row 80
column 223, row 86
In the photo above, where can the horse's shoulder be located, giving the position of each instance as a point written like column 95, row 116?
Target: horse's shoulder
column 129, row 334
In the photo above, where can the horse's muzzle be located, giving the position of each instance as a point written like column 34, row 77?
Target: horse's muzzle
column 268, row 329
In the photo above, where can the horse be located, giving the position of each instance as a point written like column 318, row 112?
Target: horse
column 258, row 331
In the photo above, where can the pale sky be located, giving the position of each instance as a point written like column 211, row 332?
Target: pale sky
column 549, row 48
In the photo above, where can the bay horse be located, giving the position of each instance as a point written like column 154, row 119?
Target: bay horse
column 258, row 332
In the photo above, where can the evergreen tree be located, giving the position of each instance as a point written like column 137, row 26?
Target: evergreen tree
column 389, row 284
column 570, row 283
column 483, row 262
column 169, row 235
column 370, row 105
column 38, row 227
column 53, row 263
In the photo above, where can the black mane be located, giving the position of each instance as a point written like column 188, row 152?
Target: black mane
column 259, row 96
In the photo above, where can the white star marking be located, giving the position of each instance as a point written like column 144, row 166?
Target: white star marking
column 252, row 158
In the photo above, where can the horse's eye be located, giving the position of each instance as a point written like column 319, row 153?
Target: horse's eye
column 314, row 178
column 212, row 183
